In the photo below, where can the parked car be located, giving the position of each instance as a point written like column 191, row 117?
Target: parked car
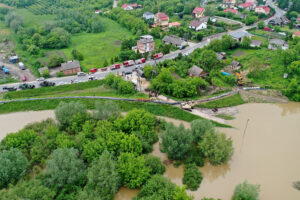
column 127, row 72
column 140, row 61
column 9, row 88
column 94, row 70
column 23, row 78
column 47, row 84
column 104, row 69
column 40, row 79
column 22, row 66
column 26, row 86
column 81, row 74
column 92, row 78
column 6, row 71
column 158, row 56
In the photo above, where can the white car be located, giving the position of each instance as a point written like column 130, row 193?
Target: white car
column 40, row 79
column 81, row 74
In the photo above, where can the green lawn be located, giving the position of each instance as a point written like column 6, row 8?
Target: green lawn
column 233, row 100
column 96, row 47
column 226, row 117
column 31, row 19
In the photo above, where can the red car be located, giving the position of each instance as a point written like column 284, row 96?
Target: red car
column 23, row 78
column 94, row 70
column 104, row 69
column 158, row 56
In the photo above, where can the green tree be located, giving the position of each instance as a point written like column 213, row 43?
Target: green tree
column 216, row 148
column 180, row 194
column 64, row 167
column 246, row 42
column 148, row 72
column 176, row 141
column 133, row 170
column 255, row 66
column 45, row 73
column 55, row 60
column 106, row 110
column 199, row 127
column 261, row 24
column 13, row 166
column 163, row 81
column 294, row 68
column 77, row 55
column 64, row 112
column 155, row 164
column 246, row 191
column 192, row 177
column 209, row 60
column 250, row 19
column 103, row 179
column 227, row 42
column 210, row 10
column 288, row 56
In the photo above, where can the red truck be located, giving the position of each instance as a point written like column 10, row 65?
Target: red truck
column 128, row 63
column 140, row 61
column 104, row 69
column 158, row 56
column 115, row 66
column 94, row 70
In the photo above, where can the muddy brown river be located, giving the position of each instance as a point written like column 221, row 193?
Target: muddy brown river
column 266, row 153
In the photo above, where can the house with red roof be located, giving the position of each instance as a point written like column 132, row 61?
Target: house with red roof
column 296, row 34
column 174, row 24
column 248, row 6
column 234, row 11
column 263, row 10
column 198, row 12
column 161, row 19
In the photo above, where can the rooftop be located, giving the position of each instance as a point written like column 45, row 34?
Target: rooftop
column 195, row 70
column 70, row 65
column 240, row 34
column 199, row 10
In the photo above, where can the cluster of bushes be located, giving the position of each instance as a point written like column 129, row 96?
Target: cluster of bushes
column 117, row 82
column 85, row 156
column 18, row 3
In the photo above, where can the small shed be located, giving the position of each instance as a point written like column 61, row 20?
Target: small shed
column 255, row 43
column 70, row 67
column 196, row 71
column 221, row 55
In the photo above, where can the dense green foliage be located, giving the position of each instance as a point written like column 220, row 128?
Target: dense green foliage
column 117, row 82
column 106, row 110
column 13, row 166
column 199, row 128
column 246, row 191
column 155, row 164
column 192, row 177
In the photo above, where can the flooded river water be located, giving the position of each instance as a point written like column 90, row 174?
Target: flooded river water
column 267, row 152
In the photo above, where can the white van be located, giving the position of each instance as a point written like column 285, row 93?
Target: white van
column 22, row 66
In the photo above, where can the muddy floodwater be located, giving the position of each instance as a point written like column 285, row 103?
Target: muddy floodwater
column 267, row 152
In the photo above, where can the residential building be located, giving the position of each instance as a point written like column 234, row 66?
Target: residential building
column 263, row 10
column 70, row 67
column 255, row 43
column 175, row 41
column 131, row 6
column 252, row 1
column 174, row 24
column 161, row 19
column 296, row 34
column 198, row 12
column 248, row 6
column 199, row 24
column 228, row 3
column 221, row 56
column 196, row 71
column 274, row 44
column 148, row 15
column 234, row 11
column 145, row 44
column 239, row 36
column 235, row 65
column 279, row 21
column 97, row 11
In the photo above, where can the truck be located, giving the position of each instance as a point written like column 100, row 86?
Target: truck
column 115, row 66
column 128, row 63
column 26, row 86
column 158, row 56
column 46, row 84
column 140, row 61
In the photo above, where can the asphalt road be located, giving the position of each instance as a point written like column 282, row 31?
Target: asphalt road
column 170, row 56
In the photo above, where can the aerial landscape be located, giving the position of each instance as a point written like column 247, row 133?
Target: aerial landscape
column 149, row 99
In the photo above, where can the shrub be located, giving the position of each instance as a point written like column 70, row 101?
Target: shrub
column 192, row 177
column 155, row 164
column 199, row 127
column 106, row 110
column 245, row 191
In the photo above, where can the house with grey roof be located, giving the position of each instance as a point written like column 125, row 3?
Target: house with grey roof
column 199, row 24
column 70, row 67
column 255, row 43
column 175, row 41
column 148, row 15
column 221, row 55
column 274, row 44
column 196, row 71
column 239, row 36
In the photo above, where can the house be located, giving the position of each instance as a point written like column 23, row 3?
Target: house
column 235, row 65
column 274, row 44
column 174, row 24
column 239, row 36
column 263, row 10
column 221, row 55
column 161, row 19
column 198, row 12
column 127, row 7
column 70, row 67
column 234, row 11
column 255, row 43
column 199, row 24
column 145, row 44
column 296, row 34
column 148, row 15
column 248, row 6
column 228, row 3
column 97, row 11
column 279, row 21
column 252, row 1
column 175, row 41
column 196, row 71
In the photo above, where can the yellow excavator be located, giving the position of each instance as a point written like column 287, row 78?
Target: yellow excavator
column 239, row 77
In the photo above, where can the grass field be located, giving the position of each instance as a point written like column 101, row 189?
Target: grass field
column 233, row 100
column 96, row 47
column 31, row 19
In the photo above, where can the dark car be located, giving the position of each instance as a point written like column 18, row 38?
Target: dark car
column 47, row 84
column 9, row 88
column 26, row 86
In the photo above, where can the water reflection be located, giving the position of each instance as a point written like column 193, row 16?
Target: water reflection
column 289, row 108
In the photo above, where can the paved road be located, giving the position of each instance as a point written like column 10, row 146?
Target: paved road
column 170, row 56
column 279, row 12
